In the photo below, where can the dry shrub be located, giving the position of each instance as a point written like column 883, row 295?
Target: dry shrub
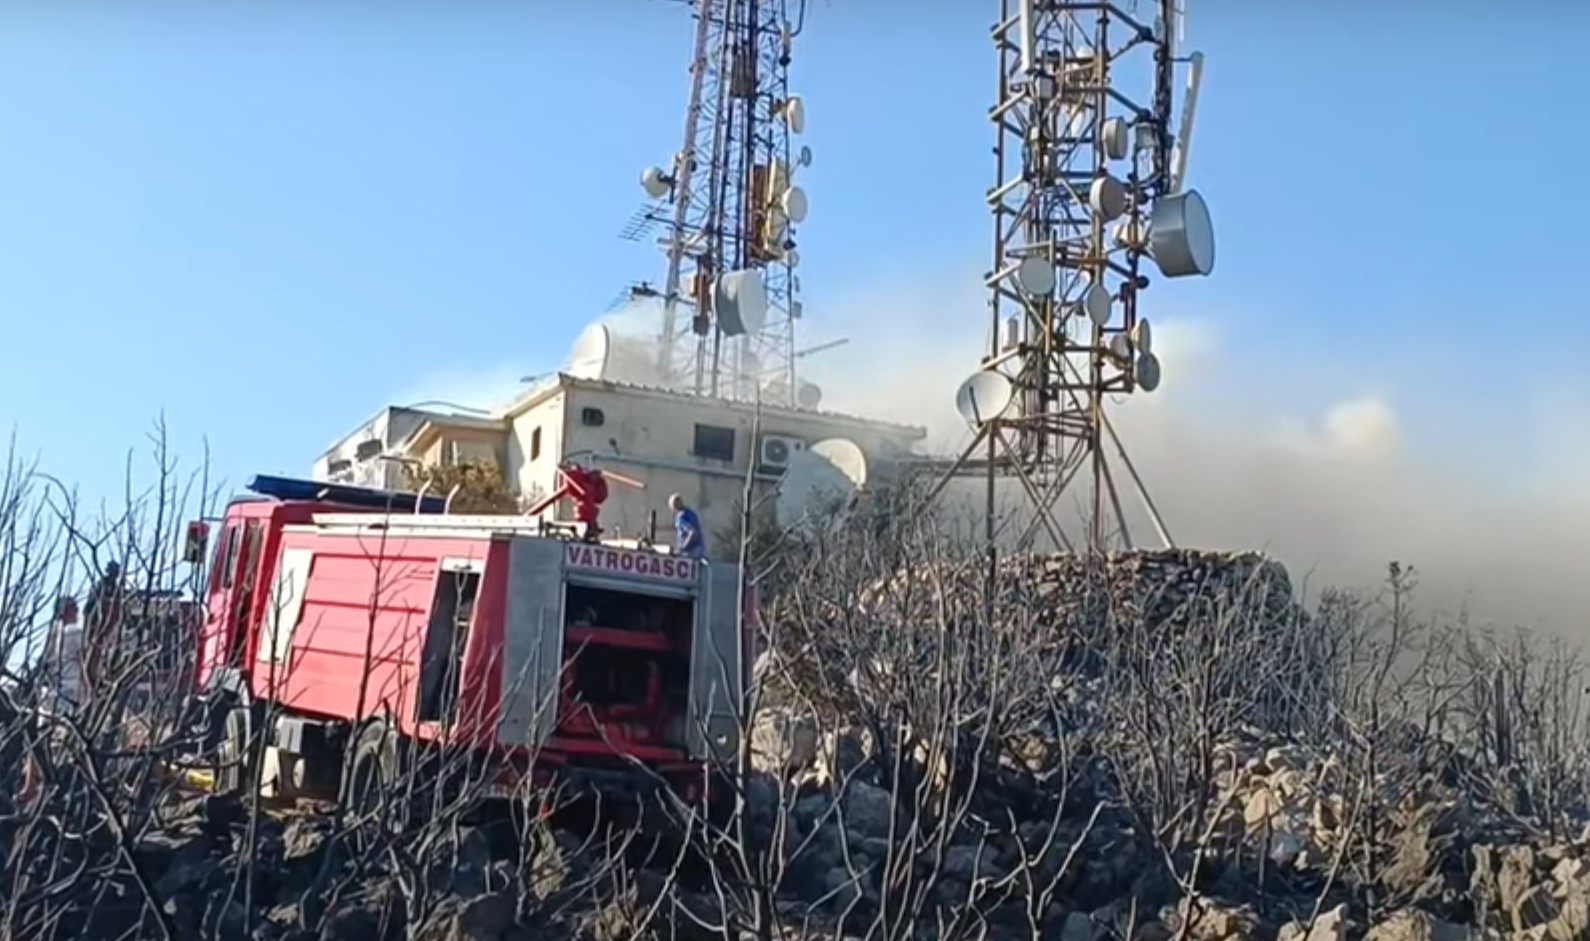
column 474, row 487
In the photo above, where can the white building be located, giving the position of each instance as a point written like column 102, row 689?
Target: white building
column 674, row 442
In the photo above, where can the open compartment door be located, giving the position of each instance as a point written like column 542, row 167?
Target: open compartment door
column 532, row 643
column 717, row 667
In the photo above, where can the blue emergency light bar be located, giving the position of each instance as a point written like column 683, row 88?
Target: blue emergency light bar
column 319, row 491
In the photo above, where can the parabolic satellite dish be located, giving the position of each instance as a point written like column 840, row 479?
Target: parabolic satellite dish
column 1181, row 236
column 1143, row 336
column 740, row 300
column 592, row 348
column 1097, row 303
column 1036, row 275
column 819, row 483
column 655, row 182
column 606, row 354
column 795, row 114
column 983, row 397
column 808, row 395
column 1107, row 196
column 1121, row 348
column 794, row 204
column 1147, row 372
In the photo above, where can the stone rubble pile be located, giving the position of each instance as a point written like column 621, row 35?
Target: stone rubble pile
column 1167, row 588
column 1070, row 594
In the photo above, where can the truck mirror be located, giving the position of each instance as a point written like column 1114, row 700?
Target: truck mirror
column 194, row 545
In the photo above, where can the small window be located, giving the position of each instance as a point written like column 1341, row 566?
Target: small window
column 714, row 442
column 446, row 639
column 535, row 444
column 253, row 532
column 223, row 551
column 229, row 565
column 367, row 449
column 592, row 417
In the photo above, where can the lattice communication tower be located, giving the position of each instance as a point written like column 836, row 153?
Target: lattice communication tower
column 728, row 207
column 1088, row 185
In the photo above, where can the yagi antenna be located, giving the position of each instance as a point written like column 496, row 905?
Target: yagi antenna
column 1189, row 111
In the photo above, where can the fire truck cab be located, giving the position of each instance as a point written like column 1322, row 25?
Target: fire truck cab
column 335, row 610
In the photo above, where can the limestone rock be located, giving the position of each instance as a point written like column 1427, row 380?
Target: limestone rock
column 1331, row 925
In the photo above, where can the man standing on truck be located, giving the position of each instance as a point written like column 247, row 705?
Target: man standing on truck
column 688, row 540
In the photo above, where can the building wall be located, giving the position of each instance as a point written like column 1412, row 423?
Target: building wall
column 640, row 434
column 535, row 448
column 467, row 443
column 378, row 435
column 652, row 438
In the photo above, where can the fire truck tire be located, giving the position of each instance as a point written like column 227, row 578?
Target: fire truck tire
column 372, row 776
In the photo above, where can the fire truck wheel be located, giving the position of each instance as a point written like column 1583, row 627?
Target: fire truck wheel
column 371, row 776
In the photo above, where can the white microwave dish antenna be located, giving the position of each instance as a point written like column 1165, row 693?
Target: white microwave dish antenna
column 1036, row 275
column 590, row 355
column 808, row 395
column 1147, row 371
column 820, row 482
column 1181, row 236
column 655, row 182
column 741, row 302
column 794, row 204
column 795, row 114
column 983, row 397
column 1143, row 336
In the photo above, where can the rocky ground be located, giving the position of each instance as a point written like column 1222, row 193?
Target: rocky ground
column 1147, row 800
column 1458, row 872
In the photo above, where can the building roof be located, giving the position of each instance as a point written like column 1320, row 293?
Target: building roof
column 561, row 381
column 432, row 426
column 430, row 416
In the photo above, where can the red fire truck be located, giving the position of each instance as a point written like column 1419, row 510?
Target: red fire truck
column 355, row 628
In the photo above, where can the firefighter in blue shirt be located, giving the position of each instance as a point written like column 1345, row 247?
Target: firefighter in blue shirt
column 688, row 539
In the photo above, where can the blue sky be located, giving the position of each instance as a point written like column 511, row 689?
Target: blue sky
column 266, row 220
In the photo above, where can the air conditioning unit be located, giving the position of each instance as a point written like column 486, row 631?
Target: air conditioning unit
column 773, row 452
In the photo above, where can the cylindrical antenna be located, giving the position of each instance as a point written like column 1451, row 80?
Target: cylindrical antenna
column 1184, row 129
column 1025, row 12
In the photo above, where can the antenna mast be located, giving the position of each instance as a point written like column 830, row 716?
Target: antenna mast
column 730, row 207
column 1088, row 184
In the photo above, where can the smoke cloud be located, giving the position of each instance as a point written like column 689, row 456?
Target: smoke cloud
column 1336, row 495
